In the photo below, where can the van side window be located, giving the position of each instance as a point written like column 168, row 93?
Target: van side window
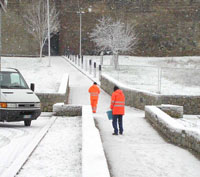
column 12, row 80
column 4, row 80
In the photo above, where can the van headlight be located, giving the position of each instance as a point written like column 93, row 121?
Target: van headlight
column 37, row 105
column 8, row 105
column 3, row 105
column 11, row 105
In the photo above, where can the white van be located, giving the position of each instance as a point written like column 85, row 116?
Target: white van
column 17, row 101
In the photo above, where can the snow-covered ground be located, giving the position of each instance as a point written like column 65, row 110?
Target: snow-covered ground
column 18, row 141
column 47, row 79
column 59, row 154
column 140, row 152
column 166, row 75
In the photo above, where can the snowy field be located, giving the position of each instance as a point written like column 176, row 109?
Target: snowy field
column 170, row 75
column 177, row 75
column 47, row 79
column 59, row 154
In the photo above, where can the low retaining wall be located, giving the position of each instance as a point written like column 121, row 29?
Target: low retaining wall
column 61, row 109
column 49, row 99
column 139, row 98
column 93, row 158
column 173, row 130
column 174, row 111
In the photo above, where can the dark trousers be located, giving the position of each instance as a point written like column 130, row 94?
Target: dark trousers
column 117, row 118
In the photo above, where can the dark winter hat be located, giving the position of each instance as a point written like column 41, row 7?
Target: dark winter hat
column 95, row 83
column 116, row 88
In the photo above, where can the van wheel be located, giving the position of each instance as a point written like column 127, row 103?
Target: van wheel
column 27, row 123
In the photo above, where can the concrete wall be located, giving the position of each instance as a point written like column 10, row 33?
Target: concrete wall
column 191, row 104
column 49, row 99
column 176, row 133
column 94, row 162
column 138, row 98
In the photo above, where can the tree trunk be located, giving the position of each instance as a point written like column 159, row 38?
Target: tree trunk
column 101, row 59
column 116, row 61
column 112, row 60
column 41, row 52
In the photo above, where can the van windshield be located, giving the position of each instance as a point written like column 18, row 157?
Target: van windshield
column 12, row 80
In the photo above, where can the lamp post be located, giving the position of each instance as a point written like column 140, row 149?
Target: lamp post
column 80, row 12
column 49, row 42
column 0, row 53
column 80, row 40
column 80, row 49
column 3, row 5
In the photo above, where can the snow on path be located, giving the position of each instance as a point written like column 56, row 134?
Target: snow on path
column 79, row 85
column 59, row 153
column 17, row 142
column 140, row 152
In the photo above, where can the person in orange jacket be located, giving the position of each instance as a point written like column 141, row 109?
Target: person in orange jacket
column 94, row 96
column 117, row 105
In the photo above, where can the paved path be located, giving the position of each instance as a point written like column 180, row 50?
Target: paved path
column 140, row 152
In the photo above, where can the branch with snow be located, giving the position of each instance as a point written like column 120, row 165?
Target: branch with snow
column 114, row 36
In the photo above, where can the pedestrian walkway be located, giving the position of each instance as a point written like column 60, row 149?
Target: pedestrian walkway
column 140, row 152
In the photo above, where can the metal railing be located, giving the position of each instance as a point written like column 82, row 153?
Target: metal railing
column 179, row 81
column 87, row 65
column 163, row 80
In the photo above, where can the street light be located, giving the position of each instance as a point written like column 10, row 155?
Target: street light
column 3, row 5
column 49, row 42
column 80, row 12
column 80, row 41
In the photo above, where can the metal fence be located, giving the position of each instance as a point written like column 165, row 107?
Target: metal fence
column 164, row 80
column 180, row 81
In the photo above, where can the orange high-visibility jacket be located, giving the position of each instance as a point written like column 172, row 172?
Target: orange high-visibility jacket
column 117, row 102
column 94, row 92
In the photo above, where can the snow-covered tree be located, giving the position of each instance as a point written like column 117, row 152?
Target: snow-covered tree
column 36, row 21
column 114, row 36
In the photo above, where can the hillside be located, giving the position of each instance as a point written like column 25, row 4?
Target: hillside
column 164, row 27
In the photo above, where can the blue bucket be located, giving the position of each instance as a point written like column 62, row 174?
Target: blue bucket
column 109, row 114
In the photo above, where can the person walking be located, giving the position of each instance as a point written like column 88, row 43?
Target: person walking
column 117, row 105
column 94, row 96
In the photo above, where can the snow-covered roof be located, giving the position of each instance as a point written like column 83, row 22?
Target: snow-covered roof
column 9, row 70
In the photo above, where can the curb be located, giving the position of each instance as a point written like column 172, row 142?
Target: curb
column 15, row 167
column 82, row 71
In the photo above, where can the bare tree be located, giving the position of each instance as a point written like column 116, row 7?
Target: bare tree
column 114, row 36
column 35, row 18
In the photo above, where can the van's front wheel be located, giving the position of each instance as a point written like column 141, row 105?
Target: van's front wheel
column 27, row 123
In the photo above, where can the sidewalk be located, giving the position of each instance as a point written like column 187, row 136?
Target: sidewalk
column 140, row 152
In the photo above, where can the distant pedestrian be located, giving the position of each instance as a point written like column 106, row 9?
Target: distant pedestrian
column 94, row 96
column 117, row 105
